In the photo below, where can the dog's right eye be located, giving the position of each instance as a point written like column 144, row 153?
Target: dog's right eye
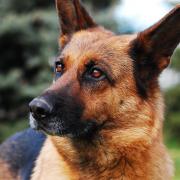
column 59, row 68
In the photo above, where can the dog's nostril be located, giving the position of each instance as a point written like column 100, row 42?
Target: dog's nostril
column 40, row 112
column 39, row 108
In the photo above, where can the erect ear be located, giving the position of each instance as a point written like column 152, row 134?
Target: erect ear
column 153, row 48
column 73, row 17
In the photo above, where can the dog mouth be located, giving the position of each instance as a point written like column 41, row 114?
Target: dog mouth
column 55, row 126
column 50, row 126
column 61, row 115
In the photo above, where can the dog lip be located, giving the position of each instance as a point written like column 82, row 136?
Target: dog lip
column 50, row 131
column 55, row 127
column 45, row 128
column 37, row 126
column 32, row 122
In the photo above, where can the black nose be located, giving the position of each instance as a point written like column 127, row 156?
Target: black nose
column 40, row 108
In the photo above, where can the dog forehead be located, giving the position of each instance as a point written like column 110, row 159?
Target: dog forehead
column 97, row 45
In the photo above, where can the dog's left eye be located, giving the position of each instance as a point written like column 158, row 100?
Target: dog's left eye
column 59, row 67
column 96, row 74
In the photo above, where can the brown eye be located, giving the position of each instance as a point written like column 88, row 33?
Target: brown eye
column 59, row 67
column 96, row 73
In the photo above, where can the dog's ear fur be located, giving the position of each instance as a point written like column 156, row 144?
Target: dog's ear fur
column 153, row 48
column 73, row 17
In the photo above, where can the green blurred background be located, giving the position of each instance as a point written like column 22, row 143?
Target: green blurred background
column 28, row 44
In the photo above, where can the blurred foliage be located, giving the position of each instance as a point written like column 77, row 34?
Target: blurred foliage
column 175, row 154
column 175, row 60
column 26, row 43
column 172, row 123
column 15, row 6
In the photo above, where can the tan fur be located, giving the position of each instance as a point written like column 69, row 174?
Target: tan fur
column 51, row 163
column 130, row 145
column 127, row 164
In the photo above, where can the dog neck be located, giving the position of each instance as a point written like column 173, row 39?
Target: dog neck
column 103, row 158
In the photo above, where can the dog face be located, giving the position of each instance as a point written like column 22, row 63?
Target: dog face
column 105, row 84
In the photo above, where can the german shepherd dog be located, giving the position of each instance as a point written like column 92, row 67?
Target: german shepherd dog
column 103, row 115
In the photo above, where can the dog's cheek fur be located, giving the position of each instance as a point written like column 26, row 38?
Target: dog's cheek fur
column 97, row 106
column 130, row 118
column 136, row 121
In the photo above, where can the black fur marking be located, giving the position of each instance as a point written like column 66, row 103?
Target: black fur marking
column 134, row 50
column 66, row 117
column 21, row 150
column 145, row 67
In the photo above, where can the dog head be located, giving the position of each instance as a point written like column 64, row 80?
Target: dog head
column 105, row 84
